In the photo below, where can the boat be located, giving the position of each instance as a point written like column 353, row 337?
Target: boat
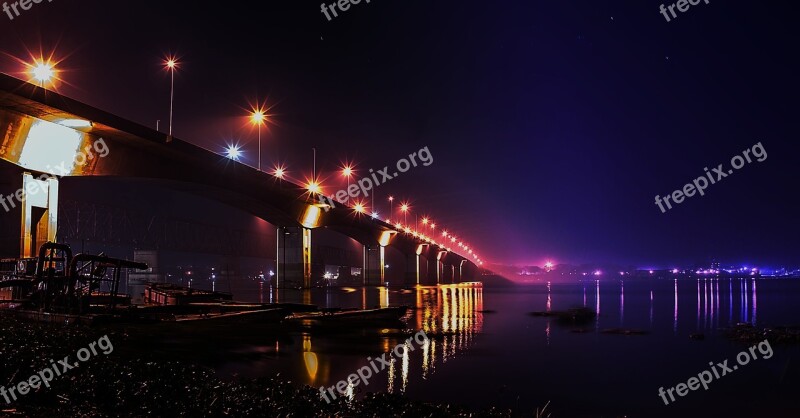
column 350, row 316
column 57, row 287
column 172, row 294
column 260, row 316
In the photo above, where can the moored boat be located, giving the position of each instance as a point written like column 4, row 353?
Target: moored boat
column 378, row 315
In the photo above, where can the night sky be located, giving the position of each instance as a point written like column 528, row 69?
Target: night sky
column 552, row 125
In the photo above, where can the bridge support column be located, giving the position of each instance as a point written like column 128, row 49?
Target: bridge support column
column 412, row 270
column 39, row 205
column 440, row 267
column 417, row 267
column 374, row 265
column 294, row 257
column 461, row 271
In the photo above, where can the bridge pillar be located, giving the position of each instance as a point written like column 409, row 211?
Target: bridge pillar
column 440, row 267
column 461, row 271
column 294, row 257
column 39, row 206
column 417, row 266
column 374, row 264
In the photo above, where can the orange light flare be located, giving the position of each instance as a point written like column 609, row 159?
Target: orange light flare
column 348, row 171
column 313, row 187
column 40, row 70
column 259, row 114
column 425, row 221
column 445, row 234
column 359, row 207
column 404, row 207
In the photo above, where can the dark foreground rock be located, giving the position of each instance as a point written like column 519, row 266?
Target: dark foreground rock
column 125, row 385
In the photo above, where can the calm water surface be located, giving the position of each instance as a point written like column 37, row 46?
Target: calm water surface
column 485, row 350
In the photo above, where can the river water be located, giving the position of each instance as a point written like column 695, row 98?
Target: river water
column 485, row 350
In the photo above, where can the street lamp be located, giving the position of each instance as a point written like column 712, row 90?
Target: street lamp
column 347, row 171
column 359, row 207
column 258, row 117
column 233, row 152
column 391, row 212
column 404, row 209
column 279, row 172
column 171, row 64
column 43, row 72
column 314, row 187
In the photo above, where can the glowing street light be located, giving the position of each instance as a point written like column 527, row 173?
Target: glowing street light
column 279, row 172
column 347, row 171
column 171, row 63
column 233, row 152
column 314, row 187
column 391, row 211
column 258, row 117
column 425, row 221
column 404, row 208
column 43, row 72
column 359, row 207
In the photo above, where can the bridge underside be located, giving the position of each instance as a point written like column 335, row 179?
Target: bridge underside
column 47, row 136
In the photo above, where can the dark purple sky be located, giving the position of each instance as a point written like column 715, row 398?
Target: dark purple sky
column 552, row 125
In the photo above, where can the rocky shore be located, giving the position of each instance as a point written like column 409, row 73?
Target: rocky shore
column 134, row 383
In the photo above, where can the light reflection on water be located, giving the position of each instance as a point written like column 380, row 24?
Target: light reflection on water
column 450, row 315
column 453, row 316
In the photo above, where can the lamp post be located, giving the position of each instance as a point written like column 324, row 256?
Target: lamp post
column 391, row 206
column 258, row 117
column 404, row 209
column 171, row 64
column 347, row 171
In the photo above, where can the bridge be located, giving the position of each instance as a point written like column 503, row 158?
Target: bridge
column 46, row 137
